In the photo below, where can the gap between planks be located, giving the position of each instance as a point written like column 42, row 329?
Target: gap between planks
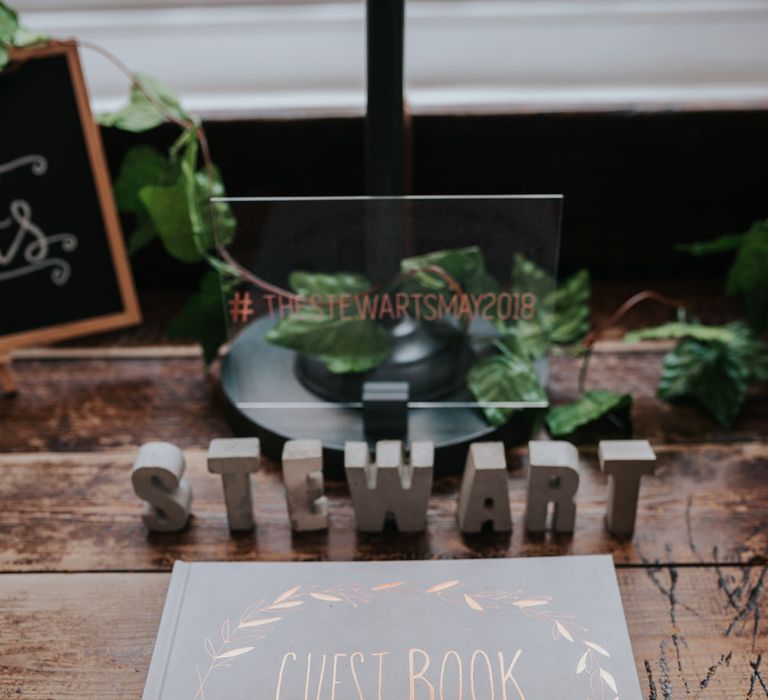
column 626, row 566
column 750, row 447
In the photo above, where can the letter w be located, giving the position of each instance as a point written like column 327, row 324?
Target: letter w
column 389, row 485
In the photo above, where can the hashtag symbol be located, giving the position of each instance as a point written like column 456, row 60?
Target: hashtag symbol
column 241, row 307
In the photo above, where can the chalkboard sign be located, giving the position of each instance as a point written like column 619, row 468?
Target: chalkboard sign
column 63, row 265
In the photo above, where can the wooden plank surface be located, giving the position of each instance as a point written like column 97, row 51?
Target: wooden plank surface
column 77, row 512
column 98, row 403
column 83, row 636
column 693, row 576
column 119, row 402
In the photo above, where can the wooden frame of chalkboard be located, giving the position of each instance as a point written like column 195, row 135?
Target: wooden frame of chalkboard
column 124, row 309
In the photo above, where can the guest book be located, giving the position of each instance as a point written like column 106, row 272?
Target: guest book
column 514, row 629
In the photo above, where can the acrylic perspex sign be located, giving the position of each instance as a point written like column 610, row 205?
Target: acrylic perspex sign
column 451, row 296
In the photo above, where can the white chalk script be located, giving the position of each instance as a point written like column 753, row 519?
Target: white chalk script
column 31, row 249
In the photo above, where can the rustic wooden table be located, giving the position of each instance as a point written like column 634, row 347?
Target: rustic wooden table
column 82, row 584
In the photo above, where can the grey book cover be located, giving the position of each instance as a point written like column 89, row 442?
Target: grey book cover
column 492, row 629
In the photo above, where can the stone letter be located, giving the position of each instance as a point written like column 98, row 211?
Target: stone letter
column 553, row 477
column 156, row 479
column 236, row 459
column 303, row 477
column 625, row 462
column 389, row 485
column 484, row 494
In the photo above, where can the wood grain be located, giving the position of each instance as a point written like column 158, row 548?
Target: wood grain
column 77, row 512
column 100, row 403
column 93, row 638
column 692, row 581
column 111, row 402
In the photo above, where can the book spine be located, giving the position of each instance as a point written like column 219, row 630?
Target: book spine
column 153, row 689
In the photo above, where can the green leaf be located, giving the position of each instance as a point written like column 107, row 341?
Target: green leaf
column 562, row 312
column 738, row 337
column 168, row 209
column 226, row 224
column 181, row 214
column 465, row 266
column 527, row 276
column 723, row 334
column 710, row 373
column 571, row 309
column 749, row 274
column 723, row 244
column 344, row 345
column 504, row 377
column 142, row 166
column 531, row 336
column 142, row 235
column 9, row 24
column 752, row 351
column 168, row 196
column 202, row 318
column 596, row 406
column 200, row 187
column 142, row 114
column 317, row 283
column 26, row 37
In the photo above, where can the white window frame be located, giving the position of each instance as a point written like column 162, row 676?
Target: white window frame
column 249, row 57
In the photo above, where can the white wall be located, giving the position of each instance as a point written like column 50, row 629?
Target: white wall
column 470, row 55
